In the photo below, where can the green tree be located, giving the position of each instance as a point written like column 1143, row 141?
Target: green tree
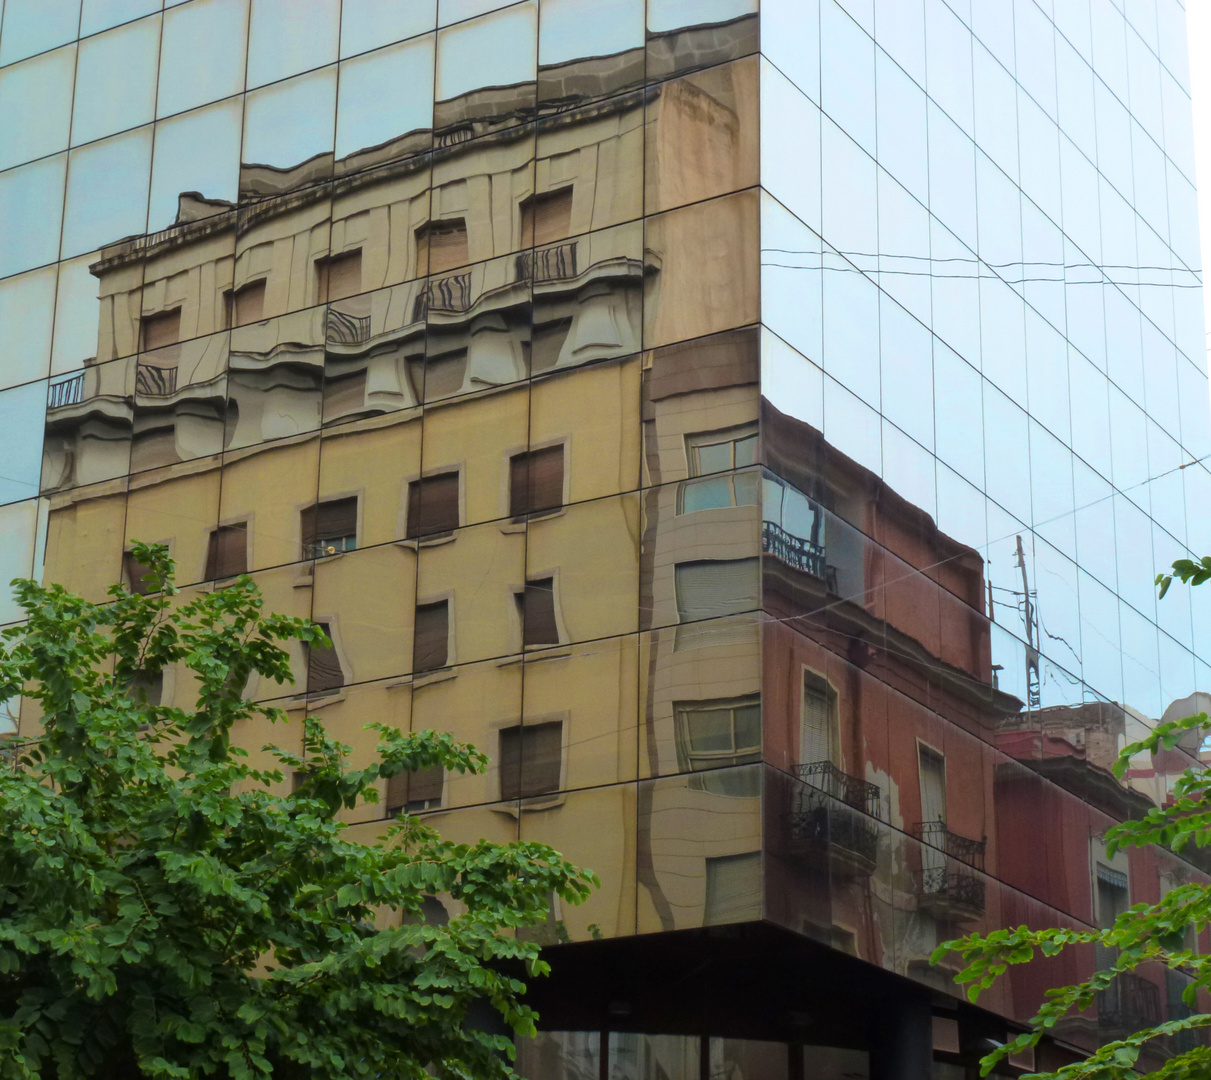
column 164, row 912
column 1145, row 935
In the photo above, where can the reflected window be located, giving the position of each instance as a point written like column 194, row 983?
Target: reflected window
column 715, row 734
column 717, row 452
column 546, row 217
column 433, row 505
column 733, row 888
column 531, row 759
column 817, row 721
column 536, row 607
column 712, row 587
column 227, row 552
column 324, row 674
column 339, row 276
column 134, row 574
column 163, row 328
column 146, row 688
column 536, row 482
column 246, row 304
column 416, row 791
column 442, row 245
column 329, row 527
column 431, row 636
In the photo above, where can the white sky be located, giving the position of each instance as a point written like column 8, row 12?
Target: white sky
column 1198, row 17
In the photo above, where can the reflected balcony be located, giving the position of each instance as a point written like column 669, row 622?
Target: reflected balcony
column 834, row 817
column 798, row 553
column 556, row 263
column 1129, row 1004
column 937, row 835
column 948, row 891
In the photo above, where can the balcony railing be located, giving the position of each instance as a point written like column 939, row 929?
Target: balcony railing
column 1129, row 1004
column 797, row 553
column 346, row 329
column 818, row 822
column 154, row 381
column 68, row 392
column 550, row 264
column 851, row 790
column 952, row 891
column 937, row 835
column 451, row 293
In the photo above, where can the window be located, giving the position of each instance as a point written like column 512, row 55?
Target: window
column 714, row 734
column 536, row 482
column 324, row 675
column 546, row 218
column 932, row 773
column 134, row 573
column 329, row 527
column 733, row 888
column 817, row 721
column 711, row 454
column 443, row 244
column 227, row 554
column 714, row 587
column 338, row 276
column 433, row 505
column 412, row 792
column 163, row 328
column 536, row 606
column 146, row 688
column 431, row 636
column 246, row 304
column 531, row 759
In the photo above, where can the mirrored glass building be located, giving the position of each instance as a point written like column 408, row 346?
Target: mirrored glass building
column 757, row 430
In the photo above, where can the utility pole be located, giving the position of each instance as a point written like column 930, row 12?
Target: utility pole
column 1033, row 690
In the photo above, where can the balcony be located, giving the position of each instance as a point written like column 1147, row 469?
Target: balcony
column 68, row 392
column 833, row 821
column 449, row 294
column 548, row 264
column 937, row 835
column 1129, row 1004
column 797, row 553
column 345, row 329
column 949, row 892
column 151, row 380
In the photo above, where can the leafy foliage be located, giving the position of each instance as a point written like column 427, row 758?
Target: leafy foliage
column 1145, row 934
column 164, row 912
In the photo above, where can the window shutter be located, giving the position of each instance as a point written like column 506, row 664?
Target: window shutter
column 733, row 888
column 541, row 758
column 538, row 613
column 336, row 518
column 227, row 554
column 446, row 244
column 510, row 763
column 433, row 505
column 431, row 636
column 323, row 667
column 421, row 786
column 161, row 329
column 816, row 737
column 250, row 303
column 716, row 587
column 134, row 572
column 340, row 275
column 536, row 481
column 547, row 217
column 344, row 394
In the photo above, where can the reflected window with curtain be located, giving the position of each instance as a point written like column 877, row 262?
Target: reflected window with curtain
column 324, row 674
column 329, row 528
column 431, row 636
column 531, row 760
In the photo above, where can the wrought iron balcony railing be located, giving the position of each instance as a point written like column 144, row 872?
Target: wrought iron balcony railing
column 851, row 790
column 548, row 264
column 954, row 891
column 68, row 392
column 151, row 380
column 344, row 329
column 797, row 553
column 1129, row 1004
column 450, row 293
column 937, row 835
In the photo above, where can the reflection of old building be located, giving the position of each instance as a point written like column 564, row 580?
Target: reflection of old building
column 660, row 486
